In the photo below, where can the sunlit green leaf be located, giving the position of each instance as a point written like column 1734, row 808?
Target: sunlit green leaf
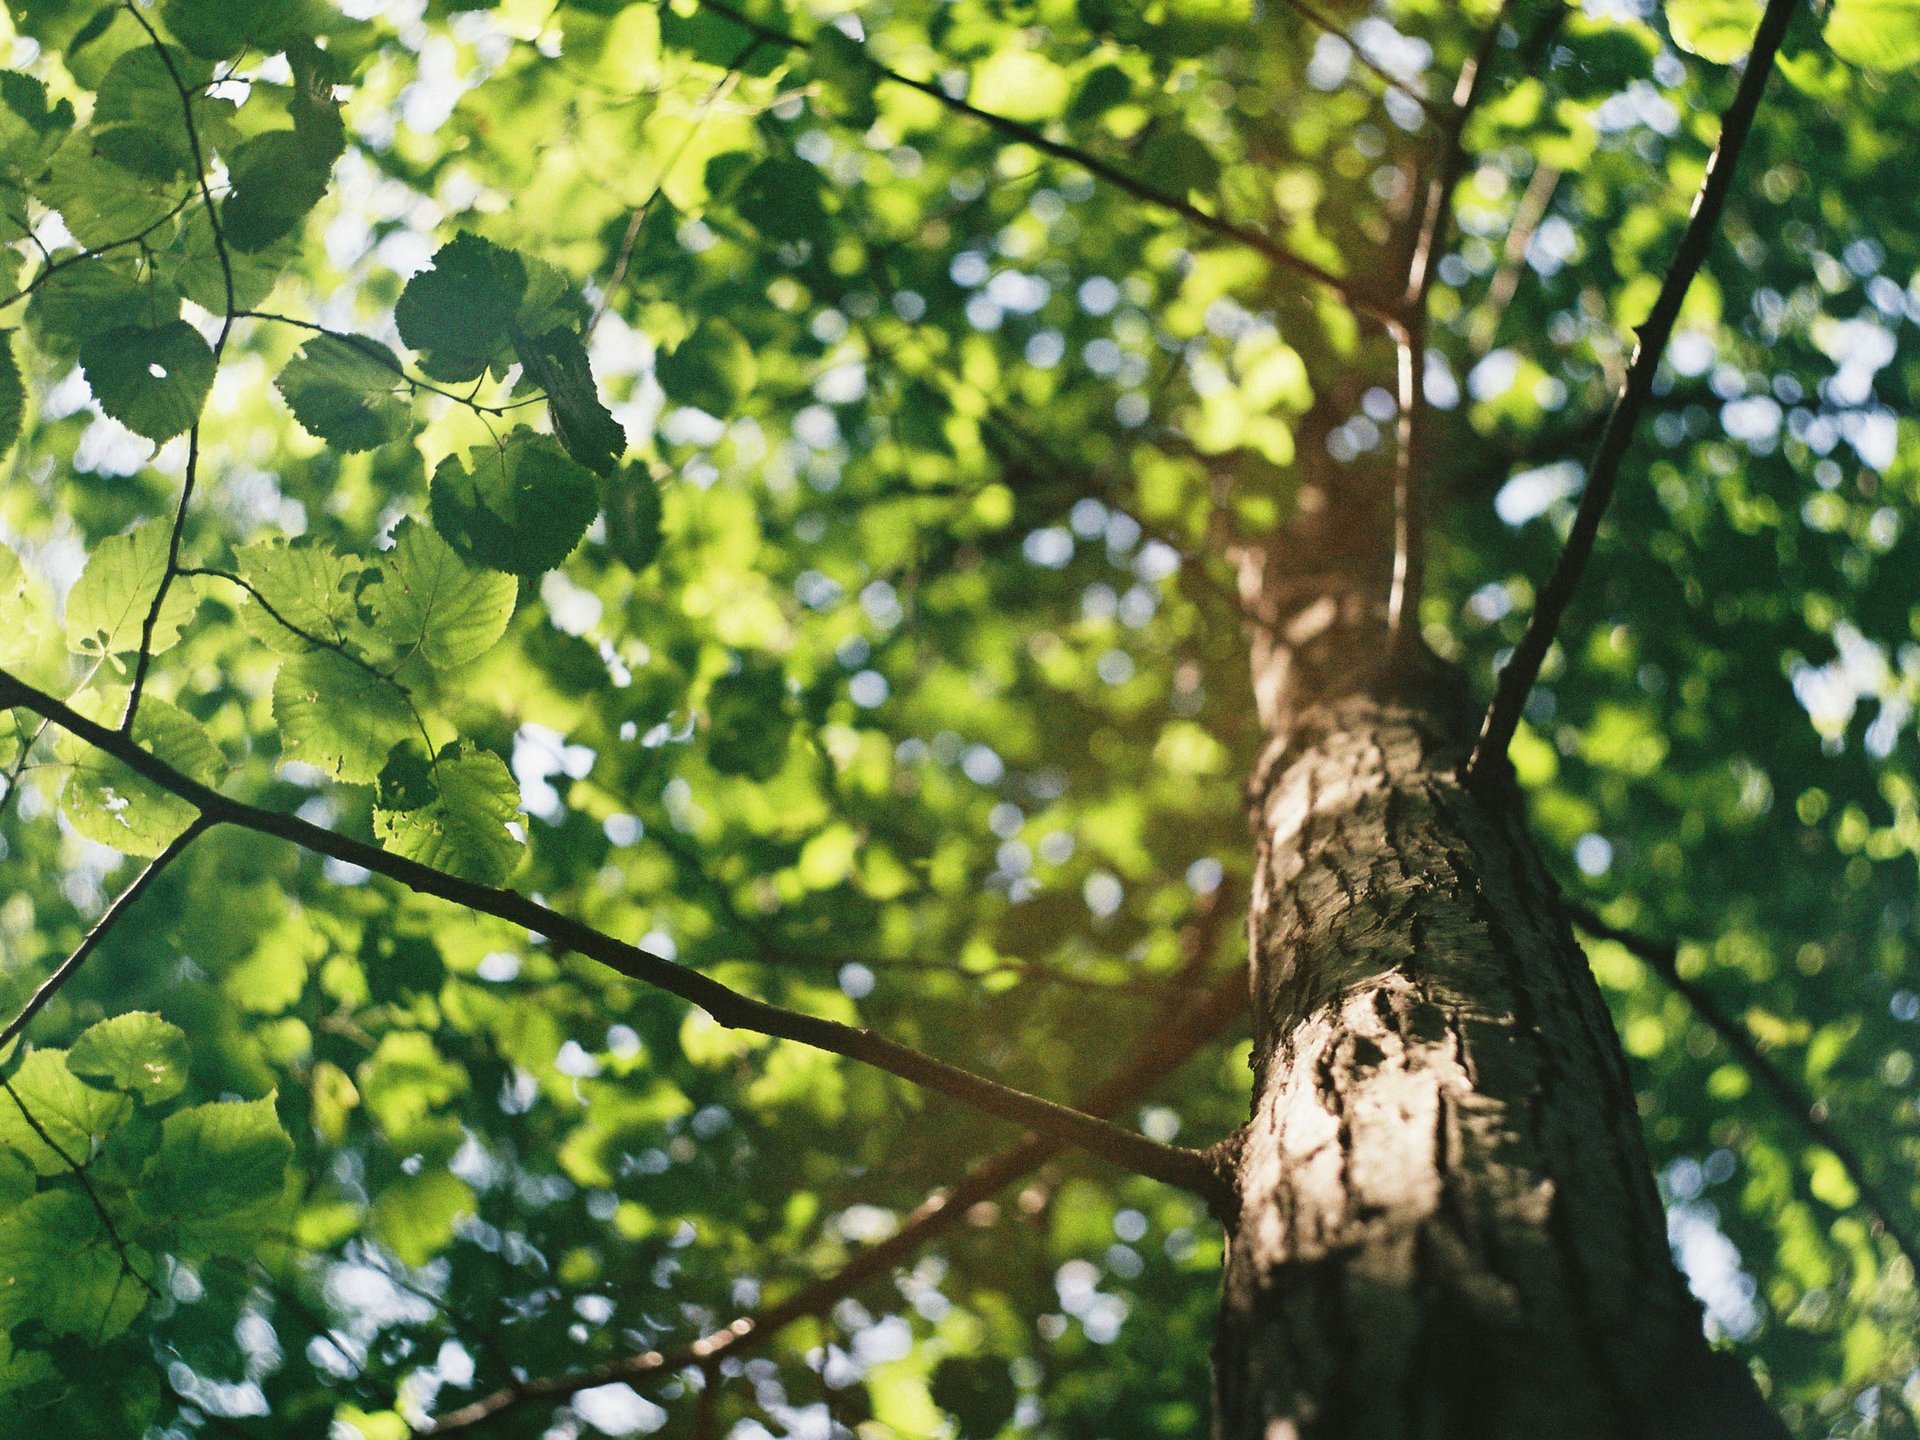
column 153, row 381
column 520, row 506
column 137, row 1052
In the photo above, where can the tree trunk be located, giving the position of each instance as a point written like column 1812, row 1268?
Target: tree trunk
column 1447, row 1226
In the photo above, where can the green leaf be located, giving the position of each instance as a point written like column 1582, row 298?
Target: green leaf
column 278, row 178
column 137, row 1052
column 749, row 721
column 1720, row 31
column 711, row 370
column 82, row 298
column 782, row 199
column 103, row 203
column 845, row 74
column 70, row 1114
column 463, row 829
column 307, row 586
column 138, row 120
column 1876, row 34
column 424, row 597
column 153, row 381
column 457, row 312
column 1020, row 84
column 219, row 29
column 557, row 363
column 348, row 392
column 28, row 610
column 417, row 1215
column 520, row 507
column 197, row 271
column 59, row 1266
column 30, row 128
column 338, row 716
column 108, row 606
column 13, row 393
column 216, row 1159
column 633, row 517
column 113, row 805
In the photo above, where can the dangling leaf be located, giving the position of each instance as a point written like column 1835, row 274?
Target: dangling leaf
column 1720, row 31
column 220, row 29
column 137, row 1052
column 348, row 392
column 520, row 507
column 456, row 313
column 338, row 716
column 425, row 598
column 633, row 517
column 277, row 180
column 1877, row 34
column 463, row 828
column 711, row 370
column 108, row 607
column 153, row 381
column 557, row 363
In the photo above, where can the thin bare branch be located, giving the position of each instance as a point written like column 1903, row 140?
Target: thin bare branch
column 102, row 927
column 1257, row 241
column 144, row 657
column 1663, row 960
column 1410, row 340
column 1166, row 1050
column 1172, row 1164
column 1516, row 679
column 1324, row 22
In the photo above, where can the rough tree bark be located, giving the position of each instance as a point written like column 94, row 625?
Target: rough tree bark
column 1447, row 1225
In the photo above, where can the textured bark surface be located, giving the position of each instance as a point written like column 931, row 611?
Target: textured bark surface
column 1447, row 1223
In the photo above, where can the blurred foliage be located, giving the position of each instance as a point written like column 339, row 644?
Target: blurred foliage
column 646, row 457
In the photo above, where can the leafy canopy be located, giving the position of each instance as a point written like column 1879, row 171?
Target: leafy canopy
column 764, row 481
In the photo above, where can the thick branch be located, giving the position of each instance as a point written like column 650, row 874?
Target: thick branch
column 90, row 942
column 1516, row 680
column 1257, row 241
column 938, row 1213
column 1175, row 1165
column 1663, row 960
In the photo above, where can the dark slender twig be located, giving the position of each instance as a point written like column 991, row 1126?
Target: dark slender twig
column 1172, row 1164
column 1166, row 1050
column 1410, row 341
column 1517, row 678
column 1663, row 960
column 1322, row 21
column 381, row 356
column 1257, row 241
column 144, row 657
column 102, row 927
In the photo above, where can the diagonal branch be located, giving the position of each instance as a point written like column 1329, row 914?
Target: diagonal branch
column 1320, row 20
column 1258, row 241
column 90, row 942
column 1175, row 1165
column 940, row 1212
column 1517, row 678
column 1663, row 960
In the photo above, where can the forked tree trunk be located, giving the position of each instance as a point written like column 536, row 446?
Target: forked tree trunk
column 1447, row 1226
